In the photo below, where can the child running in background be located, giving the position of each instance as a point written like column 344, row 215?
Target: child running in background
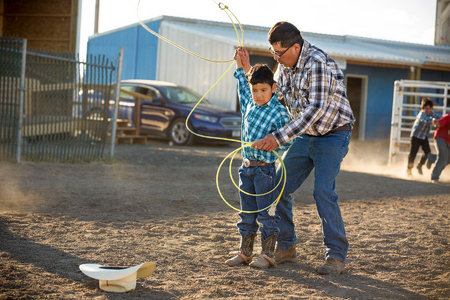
column 442, row 137
column 419, row 135
column 261, row 115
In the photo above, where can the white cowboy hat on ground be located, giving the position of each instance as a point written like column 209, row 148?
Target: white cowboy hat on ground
column 118, row 279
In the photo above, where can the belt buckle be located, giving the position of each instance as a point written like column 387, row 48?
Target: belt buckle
column 246, row 163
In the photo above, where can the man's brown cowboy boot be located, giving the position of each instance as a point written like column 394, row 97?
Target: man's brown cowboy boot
column 332, row 266
column 267, row 257
column 246, row 251
column 288, row 255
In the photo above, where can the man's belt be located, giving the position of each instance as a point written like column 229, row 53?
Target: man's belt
column 346, row 127
column 255, row 163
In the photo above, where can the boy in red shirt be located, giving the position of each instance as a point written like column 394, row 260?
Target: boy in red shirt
column 442, row 137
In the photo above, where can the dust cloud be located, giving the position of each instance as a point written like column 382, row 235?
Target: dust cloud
column 12, row 194
column 372, row 157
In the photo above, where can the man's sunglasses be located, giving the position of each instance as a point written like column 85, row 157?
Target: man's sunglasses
column 278, row 55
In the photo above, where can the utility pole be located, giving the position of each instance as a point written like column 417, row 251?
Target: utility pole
column 442, row 26
column 97, row 14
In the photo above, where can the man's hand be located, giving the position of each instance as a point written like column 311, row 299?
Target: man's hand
column 269, row 143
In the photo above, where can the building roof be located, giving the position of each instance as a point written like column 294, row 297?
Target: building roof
column 341, row 47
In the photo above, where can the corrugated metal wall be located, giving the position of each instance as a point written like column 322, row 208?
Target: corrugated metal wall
column 179, row 67
column 147, row 52
column 139, row 49
column 109, row 45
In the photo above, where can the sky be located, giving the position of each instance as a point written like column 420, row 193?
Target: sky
column 398, row 20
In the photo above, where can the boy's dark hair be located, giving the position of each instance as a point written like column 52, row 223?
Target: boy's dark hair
column 285, row 33
column 426, row 101
column 260, row 73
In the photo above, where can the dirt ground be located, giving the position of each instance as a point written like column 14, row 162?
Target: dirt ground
column 159, row 203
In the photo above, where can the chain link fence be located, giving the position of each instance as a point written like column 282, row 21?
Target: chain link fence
column 53, row 106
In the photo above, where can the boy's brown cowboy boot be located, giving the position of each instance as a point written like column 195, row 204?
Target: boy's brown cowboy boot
column 267, row 257
column 288, row 255
column 246, row 251
column 332, row 266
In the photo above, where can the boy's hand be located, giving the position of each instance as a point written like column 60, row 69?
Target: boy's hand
column 268, row 143
column 237, row 58
column 436, row 123
column 242, row 59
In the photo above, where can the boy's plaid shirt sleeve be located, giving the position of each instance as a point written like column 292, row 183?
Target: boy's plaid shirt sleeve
column 245, row 95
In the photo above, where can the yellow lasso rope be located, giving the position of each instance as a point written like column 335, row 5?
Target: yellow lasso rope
column 246, row 144
column 282, row 178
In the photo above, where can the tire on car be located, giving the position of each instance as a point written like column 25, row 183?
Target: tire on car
column 179, row 134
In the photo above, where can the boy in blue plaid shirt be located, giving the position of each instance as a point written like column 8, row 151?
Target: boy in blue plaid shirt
column 419, row 135
column 262, row 113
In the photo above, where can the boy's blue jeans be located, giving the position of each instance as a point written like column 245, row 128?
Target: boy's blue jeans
column 257, row 180
column 324, row 154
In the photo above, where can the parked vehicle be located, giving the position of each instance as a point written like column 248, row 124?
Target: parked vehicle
column 94, row 104
column 165, row 114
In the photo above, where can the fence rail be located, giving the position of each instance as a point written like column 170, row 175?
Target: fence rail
column 52, row 105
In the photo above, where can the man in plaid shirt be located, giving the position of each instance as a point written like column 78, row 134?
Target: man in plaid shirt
column 261, row 114
column 312, row 87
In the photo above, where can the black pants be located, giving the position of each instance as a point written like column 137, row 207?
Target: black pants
column 415, row 144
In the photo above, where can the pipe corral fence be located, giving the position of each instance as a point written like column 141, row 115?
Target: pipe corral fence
column 406, row 106
column 53, row 106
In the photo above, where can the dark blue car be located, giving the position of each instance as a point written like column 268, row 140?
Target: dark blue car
column 165, row 115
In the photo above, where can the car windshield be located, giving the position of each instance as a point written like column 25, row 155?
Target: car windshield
column 178, row 94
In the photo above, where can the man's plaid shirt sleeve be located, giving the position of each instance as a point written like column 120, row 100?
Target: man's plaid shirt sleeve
column 280, row 123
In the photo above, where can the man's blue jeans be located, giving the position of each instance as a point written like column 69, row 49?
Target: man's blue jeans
column 257, row 180
column 324, row 154
column 443, row 159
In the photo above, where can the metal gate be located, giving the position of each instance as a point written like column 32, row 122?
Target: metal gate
column 406, row 106
column 12, row 70
column 53, row 106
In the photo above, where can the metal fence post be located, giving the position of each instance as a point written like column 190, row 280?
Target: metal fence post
column 116, row 105
column 21, row 99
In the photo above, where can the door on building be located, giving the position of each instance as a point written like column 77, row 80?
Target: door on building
column 357, row 95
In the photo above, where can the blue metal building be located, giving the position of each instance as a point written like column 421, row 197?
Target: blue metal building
column 370, row 65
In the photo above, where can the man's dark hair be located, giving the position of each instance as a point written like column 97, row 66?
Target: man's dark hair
column 285, row 33
column 426, row 101
column 260, row 73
